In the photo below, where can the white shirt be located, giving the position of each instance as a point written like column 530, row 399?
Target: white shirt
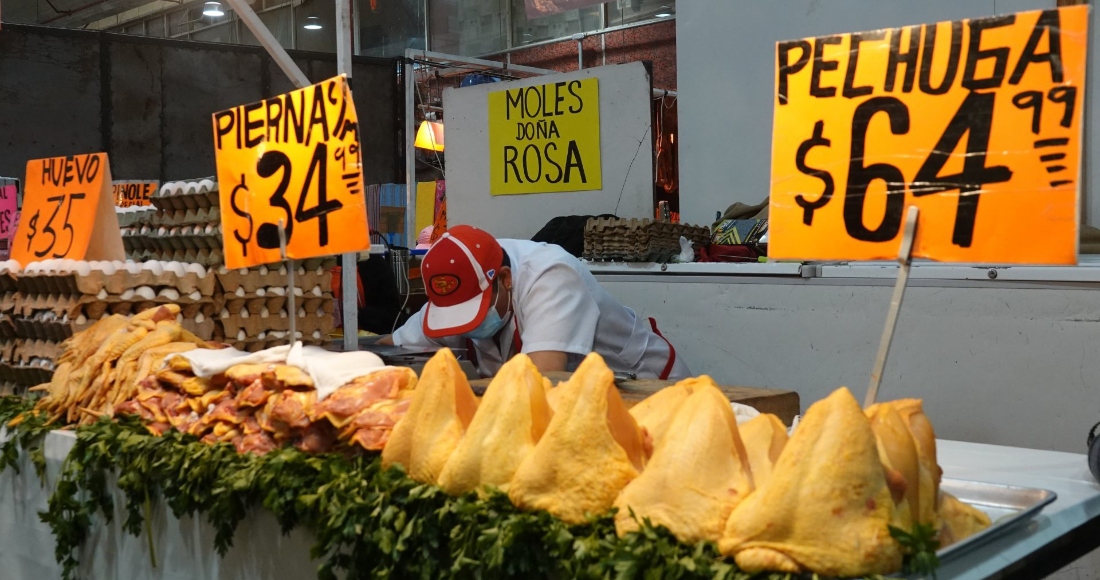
column 561, row 307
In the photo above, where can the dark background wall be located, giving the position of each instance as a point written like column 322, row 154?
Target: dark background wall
column 147, row 102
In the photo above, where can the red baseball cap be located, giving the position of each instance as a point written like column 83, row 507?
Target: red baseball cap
column 458, row 274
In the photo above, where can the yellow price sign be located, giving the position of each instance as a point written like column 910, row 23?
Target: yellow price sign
column 977, row 122
column 68, row 211
column 293, row 158
column 545, row 138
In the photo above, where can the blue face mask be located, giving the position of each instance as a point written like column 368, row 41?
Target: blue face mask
column 488, row 327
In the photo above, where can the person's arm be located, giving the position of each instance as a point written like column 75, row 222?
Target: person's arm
column 385, row 340
column 549, row 360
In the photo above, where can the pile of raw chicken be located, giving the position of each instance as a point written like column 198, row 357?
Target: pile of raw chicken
column 820, row 501
column 134, row 365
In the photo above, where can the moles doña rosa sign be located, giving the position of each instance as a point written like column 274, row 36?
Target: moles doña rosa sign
column 545, row 138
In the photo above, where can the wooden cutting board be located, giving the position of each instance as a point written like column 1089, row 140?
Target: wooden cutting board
column 784, row 404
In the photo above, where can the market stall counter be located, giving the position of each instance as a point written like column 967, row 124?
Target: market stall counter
column 184, row 548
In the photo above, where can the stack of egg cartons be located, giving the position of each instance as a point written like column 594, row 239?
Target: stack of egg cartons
column 53, row 299
column 186, row 226
column 256, row 312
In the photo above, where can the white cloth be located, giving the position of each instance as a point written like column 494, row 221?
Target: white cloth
column 561, row 307
column 329, row 370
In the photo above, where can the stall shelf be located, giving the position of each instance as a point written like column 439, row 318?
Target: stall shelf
column 1063, row 531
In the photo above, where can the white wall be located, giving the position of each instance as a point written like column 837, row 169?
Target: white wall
column 1006, row 366
column 726, row 80
column 626, row 149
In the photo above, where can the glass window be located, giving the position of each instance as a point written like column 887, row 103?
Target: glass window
column 177, row 23
column 309, row 15
column 560, row 25
column 218, row 33
column 155, row 26
column 390, row 26
column 468, row 27
column 278, row 22
column 627, row 11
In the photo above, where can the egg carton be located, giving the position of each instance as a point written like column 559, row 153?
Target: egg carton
column 183, row 195
column 186, row 217
column 265, row 306
column 136, row 214
column 256, row 345
column 7, row 350
column 9, row 274
column 26, row 351
column 31, row 374
column 206, row 258
column 310, row 274
column 98, row 309
column 7, row 327
column 94, row 278
column 307, row 322
column 172, row 238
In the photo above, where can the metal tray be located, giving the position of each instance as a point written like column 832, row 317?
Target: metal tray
column 1007, row 506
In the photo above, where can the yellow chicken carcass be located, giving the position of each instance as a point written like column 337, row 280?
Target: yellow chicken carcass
column 898, row 453
column 655, row 413
column 442, row 407
column 826, row 508
column 590, row 451
column 697, row 475
column 511, row 418
column 957, row 521
column 912, row 412
column 764, row 436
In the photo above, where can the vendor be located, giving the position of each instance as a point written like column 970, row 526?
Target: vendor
column 496, row 298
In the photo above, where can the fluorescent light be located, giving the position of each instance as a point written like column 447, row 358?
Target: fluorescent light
column 312, row 23
column 663, row 14
column 212, row 9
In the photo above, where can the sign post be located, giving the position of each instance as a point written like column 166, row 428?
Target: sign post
column 68, row 211
column 293, row 167
column 975, row 124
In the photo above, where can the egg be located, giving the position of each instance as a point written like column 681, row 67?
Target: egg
column 102, row 294
column 109, row 268
column 127, row 294
column 207, row 185
column 145, row 292
column 196, row 269
column 244, row 313
column 263, row 270
column 83, row 269
column 224, row 313
column 170, row 294
column 199, row 318
column 261, row 292
column 81, row 320
column 195, row 296
column 240, row 336
column 264, row 312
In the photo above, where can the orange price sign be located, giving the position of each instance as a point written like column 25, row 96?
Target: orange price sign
column 977, row 122
column 68, row 211
column 295, row 158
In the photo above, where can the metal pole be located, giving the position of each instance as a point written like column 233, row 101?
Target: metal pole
column 410, row 153
column 580, row 50
column 349, row 299
column 904, row 260
column 267, row 40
